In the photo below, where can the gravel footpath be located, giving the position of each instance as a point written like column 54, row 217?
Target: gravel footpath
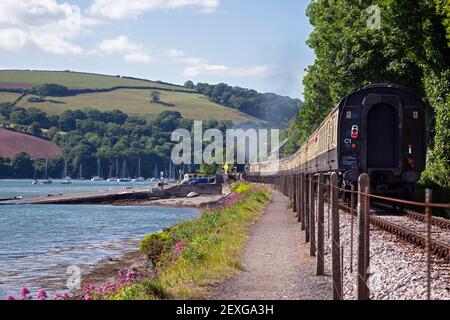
column 276, row 262
column 397, row 269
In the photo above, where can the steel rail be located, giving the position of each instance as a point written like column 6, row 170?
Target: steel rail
column 414, row 215
column 435, row 221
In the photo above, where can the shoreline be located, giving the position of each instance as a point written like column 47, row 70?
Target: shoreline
column 199, row 202
column 107, row 271
column 135, row 260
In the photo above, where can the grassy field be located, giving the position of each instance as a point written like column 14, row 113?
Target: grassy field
column 137, row 102
column 8, row 97
column 13, row 143
column 76, row 80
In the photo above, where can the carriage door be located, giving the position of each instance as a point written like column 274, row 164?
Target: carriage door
column 382, row 124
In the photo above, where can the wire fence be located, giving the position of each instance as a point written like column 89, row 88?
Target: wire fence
column 341, row 224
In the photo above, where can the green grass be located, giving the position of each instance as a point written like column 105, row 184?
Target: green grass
column 212, row 248
column 134, row 102
column 137, row 102
column 8, row 97
column 76, row 80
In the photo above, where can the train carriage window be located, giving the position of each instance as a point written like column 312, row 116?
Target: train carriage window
column 333, row 132
column 328, row 136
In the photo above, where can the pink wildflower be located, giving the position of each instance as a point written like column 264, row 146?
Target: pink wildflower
column 24, row 292
column 42, row 295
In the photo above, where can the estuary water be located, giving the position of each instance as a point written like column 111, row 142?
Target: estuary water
column 38, row 243
column 25, row 188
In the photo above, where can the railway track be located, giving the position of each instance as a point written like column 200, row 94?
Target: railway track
column 417, row 216
column 414, row 237
column 435, row 221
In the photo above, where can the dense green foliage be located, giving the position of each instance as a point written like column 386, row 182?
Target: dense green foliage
column 210, row 170
column 410, row 48
column 112, row 136
column 270, row 107
column 443, row 7
column 49, row 90
column 155, row 96
column 21, row 166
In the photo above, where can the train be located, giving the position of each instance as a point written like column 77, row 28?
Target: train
column 378, row 129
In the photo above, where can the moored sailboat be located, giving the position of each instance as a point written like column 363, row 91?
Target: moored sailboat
column 124, row 175
column 46, row 179
column 99, row 175
column 139, row 178
column 66, row 178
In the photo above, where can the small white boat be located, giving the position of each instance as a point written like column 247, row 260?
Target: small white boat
column 46, row 180
column 66, row 178
column 122, row 180
column 112, row 180
column 140, row 178
column 99, row 175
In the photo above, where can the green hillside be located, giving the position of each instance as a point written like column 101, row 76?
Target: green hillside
column 8, row 97
column 77, row 80
column 138, row 103
column 134, row 102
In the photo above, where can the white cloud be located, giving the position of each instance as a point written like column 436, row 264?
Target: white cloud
column 222, row 70
column 45, row 24
column 123, row 9
column 200, row 67
column 131, row 51
column 138, row 57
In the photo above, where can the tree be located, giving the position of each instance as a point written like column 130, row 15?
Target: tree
column 49, row 89
column 35, row 130
column 409, row 48
column 443, row 8
column 189, row 84
column 210, row 169
column 22, row 165
column 155, row 96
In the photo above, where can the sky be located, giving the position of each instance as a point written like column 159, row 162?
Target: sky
column 258, row 44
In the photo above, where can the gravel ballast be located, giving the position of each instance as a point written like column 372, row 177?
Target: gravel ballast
column 397, row 269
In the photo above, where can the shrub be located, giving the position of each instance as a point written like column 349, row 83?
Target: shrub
column 35, row 99
column 49, row 89
column 154, row 245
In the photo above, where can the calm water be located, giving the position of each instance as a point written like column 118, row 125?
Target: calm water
column 38, row 243
column 24, row 188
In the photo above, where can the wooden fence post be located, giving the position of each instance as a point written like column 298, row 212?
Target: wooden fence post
column 299, row 206
column 352, row 206
column 303, row 203
column 428, row 199
column 307, row 220
column 336, row 242
column 363, row 246
column 320, row 227
column 294, row 194
column 312, row 220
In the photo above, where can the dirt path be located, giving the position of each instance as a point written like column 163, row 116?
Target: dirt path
column 277, row 265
